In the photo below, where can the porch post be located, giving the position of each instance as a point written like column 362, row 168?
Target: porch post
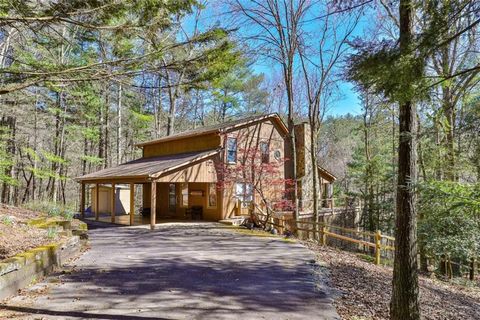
column 132, row 202
column 97, row 200
column 153, row 205
column 112, row 206
column 82, row 200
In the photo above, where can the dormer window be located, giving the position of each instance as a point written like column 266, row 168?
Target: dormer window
column 265, row 152
column 231, row 150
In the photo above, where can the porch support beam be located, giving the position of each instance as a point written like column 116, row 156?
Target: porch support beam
column 153, row 205
column 82, row 200
column 97, row 200
column 132, row 202
column 112, row 206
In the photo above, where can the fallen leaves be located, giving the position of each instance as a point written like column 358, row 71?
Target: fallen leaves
column 15, row 235
column 362, row 290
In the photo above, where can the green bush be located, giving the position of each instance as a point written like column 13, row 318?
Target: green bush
column 449, row 221
column 52, row 209
column 52, row 232
column 7, row 220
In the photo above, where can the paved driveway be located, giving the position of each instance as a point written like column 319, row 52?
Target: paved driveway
column 182, row 271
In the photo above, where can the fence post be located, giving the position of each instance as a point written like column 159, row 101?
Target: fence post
column 378, row 246
column 323, row 238
column 472, row 269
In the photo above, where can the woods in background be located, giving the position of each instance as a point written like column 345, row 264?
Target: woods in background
column 82, row 83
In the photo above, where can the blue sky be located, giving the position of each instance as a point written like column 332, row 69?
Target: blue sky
column 348, row 101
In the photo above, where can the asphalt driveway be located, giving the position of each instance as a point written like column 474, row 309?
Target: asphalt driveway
column 182, row 271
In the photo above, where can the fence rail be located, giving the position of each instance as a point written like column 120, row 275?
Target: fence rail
column 322, row 231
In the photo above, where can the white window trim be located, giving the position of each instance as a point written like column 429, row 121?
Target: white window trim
column 236, row 150
column 182, row 185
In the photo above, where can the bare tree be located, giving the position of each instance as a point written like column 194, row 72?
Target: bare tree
column 276, row 37
column 320, row 60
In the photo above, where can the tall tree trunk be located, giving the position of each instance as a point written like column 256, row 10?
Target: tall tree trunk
column 315, row 182
column 158, row 109
column 85, row 151
column 404, row 303
column 292, row 144
column 52, row 181
column 119, row 126
column 421, row 244
column 106, row 140
column 35, row 134
column 9, row 123
column 101, row 138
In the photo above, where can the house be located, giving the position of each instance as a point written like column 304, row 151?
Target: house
column 207, row 170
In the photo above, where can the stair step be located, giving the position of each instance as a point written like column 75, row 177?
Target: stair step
column 235, row 221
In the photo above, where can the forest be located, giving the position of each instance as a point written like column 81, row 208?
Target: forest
column 390, row 90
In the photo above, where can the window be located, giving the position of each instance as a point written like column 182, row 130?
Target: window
column 231, row 150
column 265, row 152
column 278, row 155
column 184, row 202
column 212, row 195
column 244, row 192
column 172, row 199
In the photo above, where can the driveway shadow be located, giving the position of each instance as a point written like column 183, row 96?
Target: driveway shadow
column 188, row 271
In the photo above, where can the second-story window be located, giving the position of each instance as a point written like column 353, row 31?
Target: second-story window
column 231, row 150
column 265, row 152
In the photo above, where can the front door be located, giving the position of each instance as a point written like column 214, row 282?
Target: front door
column 172, row 198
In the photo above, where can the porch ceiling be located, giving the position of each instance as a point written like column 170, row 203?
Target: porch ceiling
column 146, row 169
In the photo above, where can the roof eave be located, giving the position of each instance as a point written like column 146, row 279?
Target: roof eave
column 275, row 116
column 164, row 139
column 177, row 167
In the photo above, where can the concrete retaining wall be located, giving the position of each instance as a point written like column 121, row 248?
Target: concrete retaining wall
column 21, row 270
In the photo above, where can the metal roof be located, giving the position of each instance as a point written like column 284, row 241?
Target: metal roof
column 221, row 127
column 149, row 167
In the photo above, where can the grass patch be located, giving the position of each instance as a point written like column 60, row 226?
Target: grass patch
column 366, row 257
column 262, row 234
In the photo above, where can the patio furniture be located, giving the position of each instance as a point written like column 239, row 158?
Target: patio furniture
column 197, row 212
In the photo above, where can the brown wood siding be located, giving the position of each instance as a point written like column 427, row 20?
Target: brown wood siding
column 201, row 172
column 248, row 138
column 190, row 144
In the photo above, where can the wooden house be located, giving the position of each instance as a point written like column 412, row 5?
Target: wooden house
column 206, row 170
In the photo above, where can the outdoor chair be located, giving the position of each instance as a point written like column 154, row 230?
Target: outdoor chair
column 197, row 212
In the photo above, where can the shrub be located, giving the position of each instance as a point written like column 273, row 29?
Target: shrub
column 52, row 232
column 52, row 209
column 7, row 220
column 449, row 221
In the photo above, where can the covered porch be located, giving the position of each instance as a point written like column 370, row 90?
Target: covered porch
column 147, row 190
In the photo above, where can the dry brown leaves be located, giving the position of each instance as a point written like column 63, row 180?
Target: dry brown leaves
column 15, row 235
column 362, row 290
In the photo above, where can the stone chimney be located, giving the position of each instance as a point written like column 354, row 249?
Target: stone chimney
column 304, row 167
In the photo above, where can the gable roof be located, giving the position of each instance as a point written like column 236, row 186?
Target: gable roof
column 153, row 167
column 327, row 175
column 221, row 127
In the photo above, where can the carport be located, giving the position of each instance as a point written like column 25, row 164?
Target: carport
column 166, row 181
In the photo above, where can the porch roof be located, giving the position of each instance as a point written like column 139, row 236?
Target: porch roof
column 327, row 175
column 149, row 168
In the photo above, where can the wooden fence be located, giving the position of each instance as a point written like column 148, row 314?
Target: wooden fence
column 322, row 231
column 379, row 243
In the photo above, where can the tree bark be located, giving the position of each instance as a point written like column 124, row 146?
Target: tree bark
column 119, row 126
column 404, row 303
